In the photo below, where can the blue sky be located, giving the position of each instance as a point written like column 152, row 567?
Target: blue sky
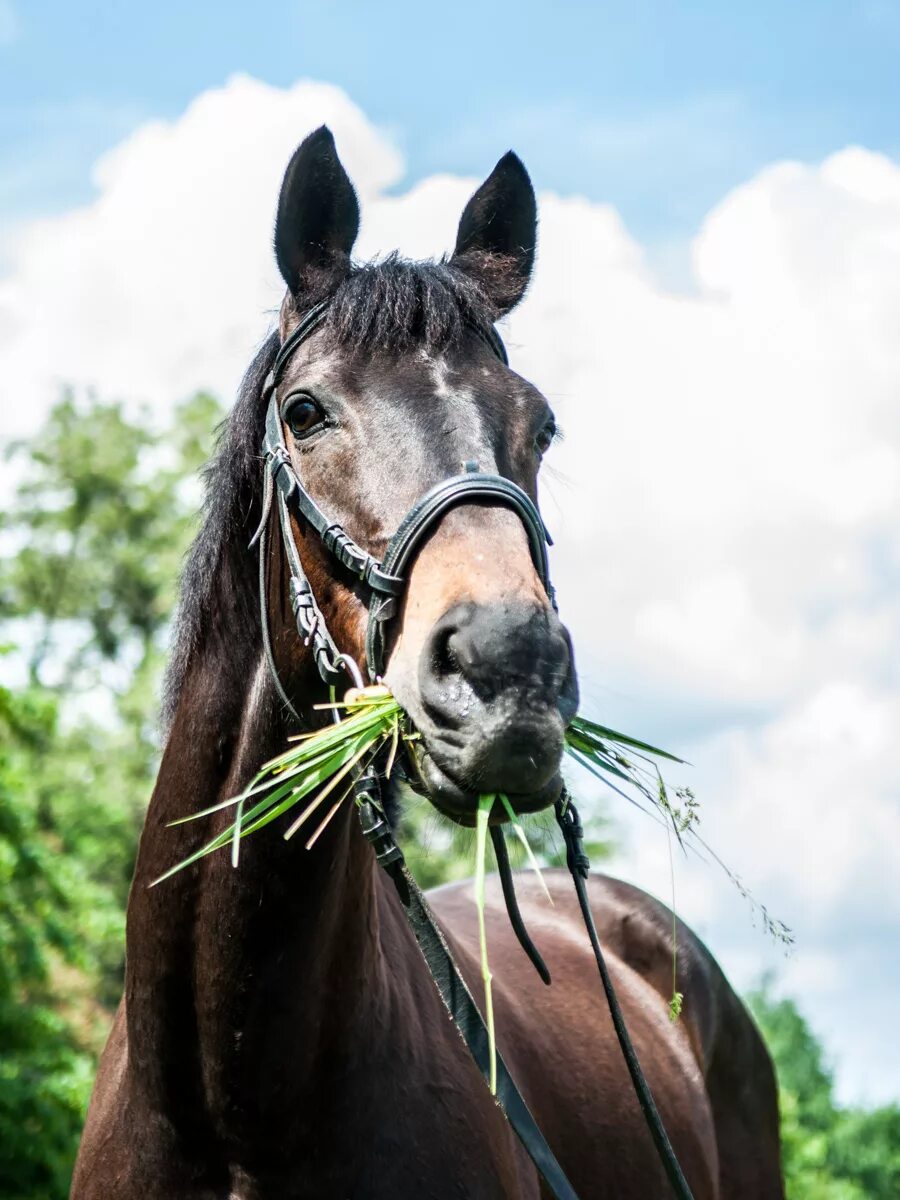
column 657, row 107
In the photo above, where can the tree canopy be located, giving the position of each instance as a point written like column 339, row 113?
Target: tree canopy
column 828, row 1152
column 100, row 520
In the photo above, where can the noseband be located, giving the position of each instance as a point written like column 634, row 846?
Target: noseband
column 386, row 580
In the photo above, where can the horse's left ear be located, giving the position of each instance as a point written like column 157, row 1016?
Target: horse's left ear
column 318, row 218
column 498, row 233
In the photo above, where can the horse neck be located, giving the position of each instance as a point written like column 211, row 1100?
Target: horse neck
column 239, row 982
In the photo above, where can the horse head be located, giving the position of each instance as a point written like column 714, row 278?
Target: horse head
column 398, row 388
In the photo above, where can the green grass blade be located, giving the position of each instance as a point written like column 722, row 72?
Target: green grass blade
column 596, row 768
column 375, row 715
column 292, row 799
column 257, row 786
column 612, row 735
column 519, row 829
column 485, row 804
column 323, row 824
column 578, row 746
column 327, row 790
column 216, row 844
column 589, row 766
column 274, row 803
column 236, row 837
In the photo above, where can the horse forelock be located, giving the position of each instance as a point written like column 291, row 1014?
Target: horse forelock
column 396, row 305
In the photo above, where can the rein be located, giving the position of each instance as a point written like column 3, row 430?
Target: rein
column 386, row 583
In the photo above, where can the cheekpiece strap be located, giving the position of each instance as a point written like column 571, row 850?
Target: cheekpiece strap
column 334, row 537
column 309, row 323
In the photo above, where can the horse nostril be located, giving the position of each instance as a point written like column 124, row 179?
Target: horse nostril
column 443, row 661
column 491, row 650
column 441, row 655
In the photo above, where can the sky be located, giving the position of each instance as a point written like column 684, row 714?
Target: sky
column 713, row 317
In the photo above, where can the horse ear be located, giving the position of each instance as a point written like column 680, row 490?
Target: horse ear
column 498, row 233
column 318, row 216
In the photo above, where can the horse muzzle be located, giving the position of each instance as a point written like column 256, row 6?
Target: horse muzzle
column 496, row 690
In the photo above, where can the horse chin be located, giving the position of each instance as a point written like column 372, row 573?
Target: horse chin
column 460, row 804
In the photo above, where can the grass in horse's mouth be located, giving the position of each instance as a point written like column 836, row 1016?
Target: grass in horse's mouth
column 322, row 767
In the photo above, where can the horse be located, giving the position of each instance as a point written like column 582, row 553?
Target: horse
column 279, row 1037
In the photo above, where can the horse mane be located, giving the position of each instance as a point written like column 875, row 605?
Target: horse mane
column 392, row 306
column 218, row 559
column 395, row 305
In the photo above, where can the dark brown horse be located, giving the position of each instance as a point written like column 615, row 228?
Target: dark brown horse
column 279, row 1037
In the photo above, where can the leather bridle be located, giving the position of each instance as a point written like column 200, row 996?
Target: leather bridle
column 386, row 583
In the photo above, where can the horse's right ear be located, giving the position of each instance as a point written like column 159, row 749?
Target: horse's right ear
column 318, row 217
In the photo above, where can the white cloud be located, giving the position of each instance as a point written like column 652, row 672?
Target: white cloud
column 163, row 283
column 734, row 468
column 805, row 808
column 725, row 504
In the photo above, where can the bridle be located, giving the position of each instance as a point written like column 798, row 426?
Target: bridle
column 386, row 582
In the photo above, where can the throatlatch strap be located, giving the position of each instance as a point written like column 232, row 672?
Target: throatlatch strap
column 579, row 867
column 455, row 994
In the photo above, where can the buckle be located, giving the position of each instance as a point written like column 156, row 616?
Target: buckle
column 375, row 828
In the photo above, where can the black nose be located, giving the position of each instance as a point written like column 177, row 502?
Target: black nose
column 498, row 687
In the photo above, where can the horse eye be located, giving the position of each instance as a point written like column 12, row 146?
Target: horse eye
column 303, row 415
column 545, row 437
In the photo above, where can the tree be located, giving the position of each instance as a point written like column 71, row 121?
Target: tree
column 52, row 920
column 102, row 519
column 828, row 1152
column 97, row 530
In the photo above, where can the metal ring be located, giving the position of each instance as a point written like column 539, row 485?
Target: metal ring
column 349, row 665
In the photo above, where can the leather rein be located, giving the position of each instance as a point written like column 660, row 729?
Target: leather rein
column 386, row 583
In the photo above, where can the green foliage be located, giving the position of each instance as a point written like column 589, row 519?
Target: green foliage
column 96, row 533
column 55, row 924
column 101, row 522
column 828, row 1152
column 865, row 1146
